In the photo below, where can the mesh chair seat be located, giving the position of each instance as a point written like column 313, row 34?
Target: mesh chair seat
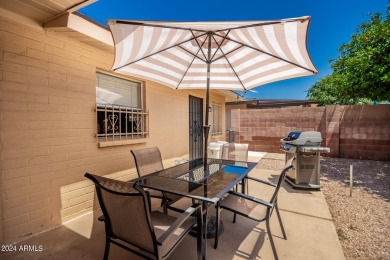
column 147, row 161
column 161, row 222
column 128, row 218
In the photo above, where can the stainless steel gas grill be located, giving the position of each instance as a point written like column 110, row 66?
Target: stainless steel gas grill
column 305, row 146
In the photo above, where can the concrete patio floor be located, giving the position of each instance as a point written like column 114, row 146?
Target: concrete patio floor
column 310, row 231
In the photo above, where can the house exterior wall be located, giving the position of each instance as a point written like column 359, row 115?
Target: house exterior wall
column 48, row 128
column 361, row 132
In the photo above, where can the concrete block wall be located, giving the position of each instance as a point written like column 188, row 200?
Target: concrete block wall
column 263, row 128
column 365, row 132
column 48, row 128
column 48, row 122
column 361, row 132
column 331, row 133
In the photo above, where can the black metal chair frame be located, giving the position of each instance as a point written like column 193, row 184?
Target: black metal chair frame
column 195, row 209
column 273, row 204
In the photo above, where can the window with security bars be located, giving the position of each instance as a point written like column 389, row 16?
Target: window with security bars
column 119, row 109
column 216, row 127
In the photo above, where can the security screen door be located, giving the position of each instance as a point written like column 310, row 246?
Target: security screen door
column 196, row 127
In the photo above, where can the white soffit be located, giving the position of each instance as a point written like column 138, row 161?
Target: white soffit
column 77, row 27
column 43, row 10
column 57, row 15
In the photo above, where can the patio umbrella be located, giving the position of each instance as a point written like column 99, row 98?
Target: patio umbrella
column 212, row 55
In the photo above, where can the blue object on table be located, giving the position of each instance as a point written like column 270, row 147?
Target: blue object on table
column 236, row 169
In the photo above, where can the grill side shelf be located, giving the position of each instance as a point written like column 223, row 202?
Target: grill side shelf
column 317, row 149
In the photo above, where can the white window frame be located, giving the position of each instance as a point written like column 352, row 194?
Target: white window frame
column 216, row 119
column 118, row 122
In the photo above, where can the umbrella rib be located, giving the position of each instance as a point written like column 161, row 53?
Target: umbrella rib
column 270, row 54
column 200, row 46
column 235, row 73
column 195, row 55
column 157, row 52
column 198, row 30
column 219, row 46
column 156, row 25
column 239, row 47
column 188, row 68
column 262, row 24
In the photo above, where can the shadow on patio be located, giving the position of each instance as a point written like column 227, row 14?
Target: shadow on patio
column 311, row 233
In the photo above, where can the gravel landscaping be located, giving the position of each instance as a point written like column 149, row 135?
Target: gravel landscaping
column 363, row 220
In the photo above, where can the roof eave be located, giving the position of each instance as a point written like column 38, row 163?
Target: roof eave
column 78, row 27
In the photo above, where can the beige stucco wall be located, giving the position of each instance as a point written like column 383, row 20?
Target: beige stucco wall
column 48, row 127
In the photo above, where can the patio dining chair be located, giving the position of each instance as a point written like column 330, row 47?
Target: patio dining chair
column 149, row 161
column 256, row 208
column 128, row 219
column 236, row 152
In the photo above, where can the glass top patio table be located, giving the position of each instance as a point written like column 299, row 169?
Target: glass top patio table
column 190, row 180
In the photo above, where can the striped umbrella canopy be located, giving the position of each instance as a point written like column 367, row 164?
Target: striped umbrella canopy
column 212, row 55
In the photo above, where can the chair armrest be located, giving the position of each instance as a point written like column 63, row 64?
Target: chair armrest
column 179, row 221
column 245, row 196
column 261, row 181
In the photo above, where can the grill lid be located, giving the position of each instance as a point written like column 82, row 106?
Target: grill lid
column 309, row 138
column 292, row 136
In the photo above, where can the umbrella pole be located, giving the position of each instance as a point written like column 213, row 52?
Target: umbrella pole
column 206, row 127
column 206, row 130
